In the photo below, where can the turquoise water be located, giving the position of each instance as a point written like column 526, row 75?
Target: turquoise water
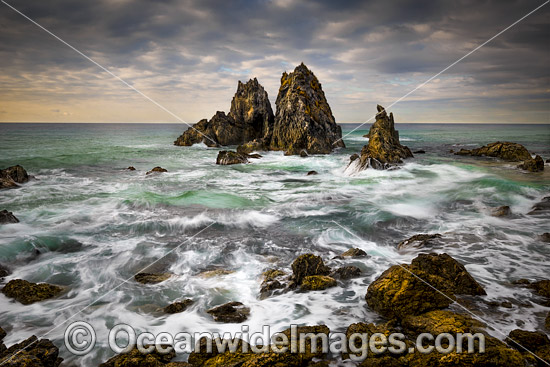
column 89, row 224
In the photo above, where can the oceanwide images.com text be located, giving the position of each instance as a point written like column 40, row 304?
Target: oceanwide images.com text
column 80, row 339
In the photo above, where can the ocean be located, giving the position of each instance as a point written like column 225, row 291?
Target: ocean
column 89, row 224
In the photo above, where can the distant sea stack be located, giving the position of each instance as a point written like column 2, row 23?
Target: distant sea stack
column 304, row 120
column 249, row 118
column 384, row 148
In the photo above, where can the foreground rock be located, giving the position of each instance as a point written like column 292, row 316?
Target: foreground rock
column 398, row 293
column 227, row 157
column 531, row 341
column 7, row 217
column 30, row 353
column 250, row 118
column 232, row 312
column 151, row 278
column 533, row 164
column 26, row 292
column 136, row 358
column 504, row 150
column 304, row 120
column 178, row 307
column 419, row 240
column 308, row 265
column 12, row 176
column 383, row 149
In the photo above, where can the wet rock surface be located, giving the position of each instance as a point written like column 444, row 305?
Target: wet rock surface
column 32, row 352
column 308, row 265
column 419, row 240
column 178, row 306
column 232, row 312
column 135, row 358
column 317, row 283
column 12, row 176
column 542, row 207
column 26, row 292
column 157, row 170
column 151, row 278
column 504, row 150
column 7, row 217
column 533, row 164
column 501, row 211
column 304, row 120
column 383, row 149
column 228, row 157
column 354, row 253
column 346, row 272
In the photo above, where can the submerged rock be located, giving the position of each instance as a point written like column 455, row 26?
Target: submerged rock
column 420, row 151
column 545, row 237
column 419, row 240
column 311, row 173
column 31, row 353
column 215, row 273
column 541, row 207
column 232, row 312
column 533, row 164
column 383, row 149
column 12, row 176
column 317, row 283
column 304, row 120
column 157, row 170
column 503, row 150
column 430, row 282
column 227, row 157
column 250, row 118
column 151, row 278
column 135, row 358
column 308, row 265
column 131, row 168
column 7, row 217
column 178, row 307
column 501, row 211
column 26, row 292
column 346, row 272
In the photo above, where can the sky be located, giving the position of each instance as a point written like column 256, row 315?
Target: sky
column 189, row 55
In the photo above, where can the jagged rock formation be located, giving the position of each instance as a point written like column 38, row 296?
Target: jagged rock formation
column 384, row 148
column 12, row 176
column 249, row 118
column 503, row 150
column 227, row 157
column 533, row 164
column 7, row 217
column 31, row 352
column 304, row 120
column 26, row 292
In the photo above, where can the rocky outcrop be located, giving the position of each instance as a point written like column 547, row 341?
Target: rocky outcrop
column 7, row 217
column 542, row 207
column 533, row 164
column 419, row 240
column 383, row 149
column 136, row 358
column 157, row 170
column 346, row 272
column 308, row 265
column 151, row 278
column 354, row 252
column 227, row 157
column 504, row 150
column 249, row 118
column 31, row 353
column 304, row 120
column 430, row 282
column 27, row 292
column 232, row 312
column 179, row 306
column 528, row 342
column 317, row 283
column 12, row 176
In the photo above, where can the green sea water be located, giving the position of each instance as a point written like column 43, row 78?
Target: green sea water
column 89, row 224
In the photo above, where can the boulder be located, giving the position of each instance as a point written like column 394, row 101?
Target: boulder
column 430, row 282
column 12, row 176
column 346, row 272
column 308, row 265
column 151, row 278
column 528, row 342
column 419, row 240
column 504, row 150
column 232, row 312
column 227, row 157
column 31, row 352
column 354, row 252
column 7, row 217
column 542, row 207
column 533, row 164
column 311, row 173
column 545, row 237
column 131, row 168
column 26, row 292
column 4, row 271
column 157, row 170
column 383, row 149
column 501, row 211
column 273, row 280
column 135, row 358
column 542, row 288
column 304, row 120
column 317, row 283
column 250, row 118
column 178, row 307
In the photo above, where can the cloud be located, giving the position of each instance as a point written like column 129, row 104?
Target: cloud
column 188, row 55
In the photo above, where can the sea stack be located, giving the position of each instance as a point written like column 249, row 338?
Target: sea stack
column 250, row 118
column 304, row 120
column 384, row 148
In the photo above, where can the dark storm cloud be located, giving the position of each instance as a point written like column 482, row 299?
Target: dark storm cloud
column 365, row 52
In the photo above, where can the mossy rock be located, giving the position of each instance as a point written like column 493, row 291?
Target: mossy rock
column 354, row 252
column 178, row 307
column 547, row 321
column 308, row 265
column 215, row 273
column 346, row 272
column 31, row 353
column 27, row 292
column 441, row 321
column 135, row 358
column 504, row 150
column 317, row 283
column 151, row 278
column 228, row 157
column 272, row 274
column 232, row 312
